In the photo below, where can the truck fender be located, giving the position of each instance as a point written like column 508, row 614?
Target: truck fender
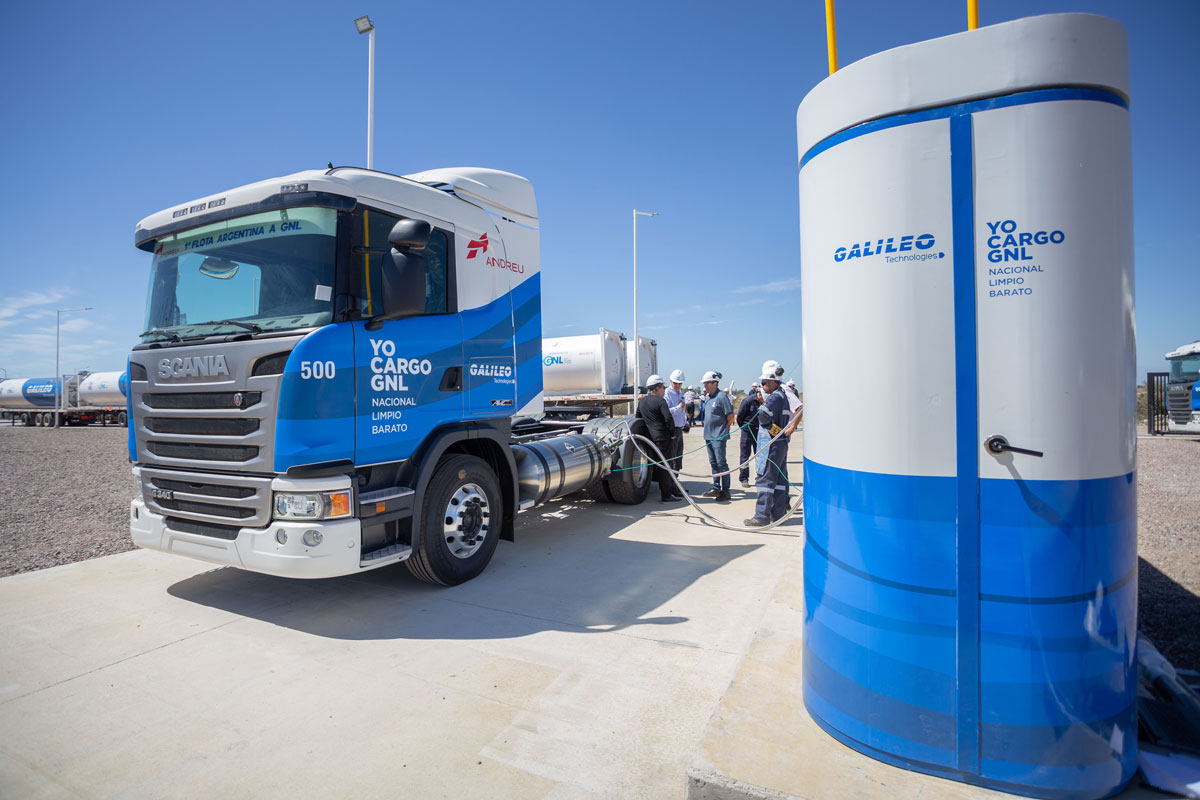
column 489, row 442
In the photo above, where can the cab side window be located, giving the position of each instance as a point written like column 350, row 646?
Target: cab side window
column 374, row 230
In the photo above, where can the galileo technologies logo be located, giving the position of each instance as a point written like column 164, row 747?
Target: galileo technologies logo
column 895, row 249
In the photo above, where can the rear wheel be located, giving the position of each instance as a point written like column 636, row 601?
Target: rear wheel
column 123, row 419
column 39, row 420
column 25, row 420
column 460, row 522
column 631, row 485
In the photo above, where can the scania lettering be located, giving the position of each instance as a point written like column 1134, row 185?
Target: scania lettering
column 331, row 381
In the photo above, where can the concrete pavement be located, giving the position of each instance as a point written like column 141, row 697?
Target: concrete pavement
column 584, row 663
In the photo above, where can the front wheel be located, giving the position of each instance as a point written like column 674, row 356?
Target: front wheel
column 460, row 522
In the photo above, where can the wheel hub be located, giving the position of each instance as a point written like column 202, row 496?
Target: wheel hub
column 467, row 521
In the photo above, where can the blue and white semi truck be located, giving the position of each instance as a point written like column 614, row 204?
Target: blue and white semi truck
column 1183, row 389
column 342, row 369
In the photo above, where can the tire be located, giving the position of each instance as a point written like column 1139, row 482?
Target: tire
column 465, row 491
column 122, row 419
column 631, row 486
column 599, row 492
column 26, row 420
column 39, row 420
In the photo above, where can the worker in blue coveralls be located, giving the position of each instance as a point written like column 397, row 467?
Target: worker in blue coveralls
column 772, row 484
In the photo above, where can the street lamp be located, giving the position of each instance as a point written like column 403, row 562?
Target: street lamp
column 57, row 377
column 637, row 343
column 364, row 25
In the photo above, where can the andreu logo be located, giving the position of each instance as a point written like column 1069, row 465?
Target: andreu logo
column 892, row 244
column 477, row 246
column 551, row 361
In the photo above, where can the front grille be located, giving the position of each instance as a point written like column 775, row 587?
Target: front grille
column 203, row 452
column 202, row 528
column 200, row 426
column 208, row 509
column 210, row 489
column 1179, row 404
column 200, row 400
column 210, row 498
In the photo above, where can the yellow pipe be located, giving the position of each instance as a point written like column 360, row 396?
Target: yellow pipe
column 831, row 36
column 972, row 14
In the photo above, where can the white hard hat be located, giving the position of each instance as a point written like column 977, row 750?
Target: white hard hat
column 710, row 376
column 768, row 376
column 654, row 380
column 772, row 368
column 677, row 376
column 791, row 383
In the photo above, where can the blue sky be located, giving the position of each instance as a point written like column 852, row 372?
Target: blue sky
column 113, row 111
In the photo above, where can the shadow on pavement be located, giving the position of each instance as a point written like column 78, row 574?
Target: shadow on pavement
column 567, row 571
column 1169, row 614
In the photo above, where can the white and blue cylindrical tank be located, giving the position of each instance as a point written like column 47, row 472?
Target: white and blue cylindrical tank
column 969, row 494
column 103, row 389
column 28, row 393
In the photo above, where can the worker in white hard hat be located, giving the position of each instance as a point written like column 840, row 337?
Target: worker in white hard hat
column 661, row 429
column 674, row 398
column 772, row 483
column 718, row 420
column 794, row 402
column 691, row 403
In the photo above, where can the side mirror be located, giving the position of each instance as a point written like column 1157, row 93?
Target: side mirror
column 404, row 273
column 409, row 234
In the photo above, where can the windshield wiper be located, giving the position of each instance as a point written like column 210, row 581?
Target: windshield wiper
column 250, row 326
column 172, row 335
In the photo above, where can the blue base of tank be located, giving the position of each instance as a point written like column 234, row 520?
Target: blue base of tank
column 1034, row 692
column 955, row 775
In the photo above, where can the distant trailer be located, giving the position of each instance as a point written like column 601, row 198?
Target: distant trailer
column 95, row 398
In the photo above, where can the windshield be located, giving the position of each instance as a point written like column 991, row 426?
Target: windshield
column 262, row 272
column 1185, row 369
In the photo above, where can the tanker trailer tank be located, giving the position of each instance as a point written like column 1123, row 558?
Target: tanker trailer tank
column 590, row 364
column 649, row 361
column 27, row 393
column 103, row 389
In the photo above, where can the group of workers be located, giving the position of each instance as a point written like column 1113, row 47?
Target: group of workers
column 767, row 417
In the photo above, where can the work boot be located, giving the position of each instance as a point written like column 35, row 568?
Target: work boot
column 723, row 496
column 711, row 493
column 670, row 498
column 745, row 484
column 756, row 522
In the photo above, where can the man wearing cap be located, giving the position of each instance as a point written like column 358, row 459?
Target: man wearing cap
column 718, row 418
column 772, row 484
column 747, row 420
column 674, row 398
column 653, row 409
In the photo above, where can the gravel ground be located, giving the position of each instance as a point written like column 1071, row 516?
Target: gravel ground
column 68, row 500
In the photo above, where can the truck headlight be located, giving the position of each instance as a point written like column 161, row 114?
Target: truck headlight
column 137, row 487
column 312, row 505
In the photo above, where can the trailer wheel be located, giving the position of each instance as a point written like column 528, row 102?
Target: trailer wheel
column 123, row 420
column 630, row 487
column 39, row 420
column 460, row 522
column 599, row 492
column 25, row 420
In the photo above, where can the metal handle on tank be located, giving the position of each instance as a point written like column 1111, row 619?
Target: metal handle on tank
column 998, row 444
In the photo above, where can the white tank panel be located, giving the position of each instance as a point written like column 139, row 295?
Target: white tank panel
column 1051, row 348
column 589, row 364
column 649, row 365
column 878, row 395
column 101, row 389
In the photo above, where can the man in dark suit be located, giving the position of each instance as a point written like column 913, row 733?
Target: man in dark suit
column 653, row 409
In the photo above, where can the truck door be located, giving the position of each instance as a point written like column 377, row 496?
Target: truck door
column 409, row 372
column 488, row 329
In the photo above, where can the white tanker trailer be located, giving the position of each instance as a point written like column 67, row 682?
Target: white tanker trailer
column 590, row 375
column 89, row 397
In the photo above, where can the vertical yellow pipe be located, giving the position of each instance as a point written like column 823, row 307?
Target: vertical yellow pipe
column 972, row 14
column 831, row 36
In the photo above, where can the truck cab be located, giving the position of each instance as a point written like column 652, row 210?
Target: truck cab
column 313, row 345
column 1183, row 389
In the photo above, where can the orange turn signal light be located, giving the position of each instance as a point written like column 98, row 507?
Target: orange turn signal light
column 339, row 504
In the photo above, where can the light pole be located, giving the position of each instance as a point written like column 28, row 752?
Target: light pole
column 637, row 344
column 365, row 25
column 58, row 378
